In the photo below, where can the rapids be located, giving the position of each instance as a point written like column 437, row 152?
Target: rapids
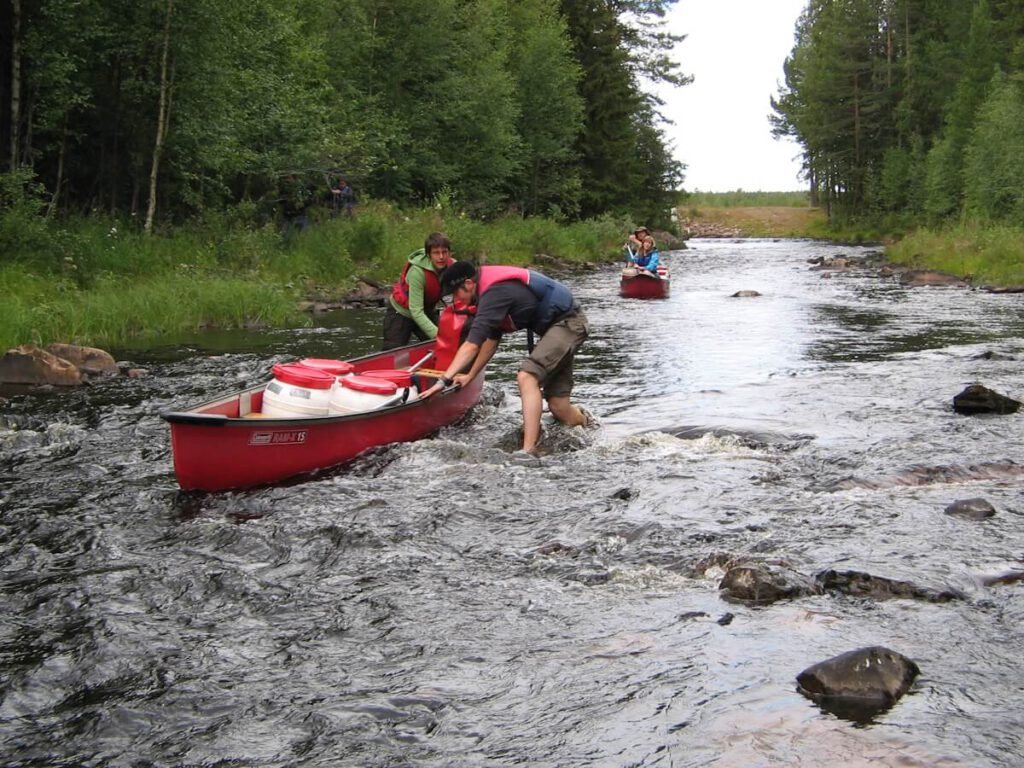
column 455, row 603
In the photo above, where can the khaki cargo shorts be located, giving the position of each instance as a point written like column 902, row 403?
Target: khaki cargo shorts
column 551, row 359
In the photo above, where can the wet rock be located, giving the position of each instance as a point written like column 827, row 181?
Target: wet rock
column 917, row 278
column 28, row 364
column 1003, row 288
column 749, row 438
column 762, row 583
column 624, row 494
column 859, row 684
column 1012, row 577
column 745, row 294
column 89, row 360
column 991, row 354
column 951, row 473
column 972, row 509
column 980, row 399
column 858, row 584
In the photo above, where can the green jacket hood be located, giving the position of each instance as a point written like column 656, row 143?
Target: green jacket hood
column 420, row 259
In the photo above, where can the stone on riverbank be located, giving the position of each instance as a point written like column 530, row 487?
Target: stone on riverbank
column 28, row 364
column 59, row 365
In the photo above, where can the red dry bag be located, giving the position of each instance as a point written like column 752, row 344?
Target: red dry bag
column 451, row 329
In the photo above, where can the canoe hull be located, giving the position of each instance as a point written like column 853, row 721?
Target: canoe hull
column 216, row 449
column 644, row 286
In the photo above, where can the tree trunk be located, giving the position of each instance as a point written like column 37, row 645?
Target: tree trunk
column 15, row 80
column 162, row 120
column 60, row 170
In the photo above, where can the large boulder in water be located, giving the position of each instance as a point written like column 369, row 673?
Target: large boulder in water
column 89, row 360
column 761, row 583
column 30, row 365
column 859, row 684
column 977, row 398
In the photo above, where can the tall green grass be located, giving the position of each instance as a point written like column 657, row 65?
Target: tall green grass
column 987, row 254
column 110, row 313
column 101, row 282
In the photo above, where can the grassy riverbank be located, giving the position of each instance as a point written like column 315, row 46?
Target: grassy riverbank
column 99, row 283
column 991, row 255
column 753, row 214
column 986, row 255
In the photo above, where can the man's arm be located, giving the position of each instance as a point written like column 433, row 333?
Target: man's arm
column 483, row 356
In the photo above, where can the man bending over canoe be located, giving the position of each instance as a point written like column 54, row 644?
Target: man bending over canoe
column 509, row 299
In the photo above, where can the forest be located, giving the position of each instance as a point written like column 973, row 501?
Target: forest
column 159, row 112
column 909, row 111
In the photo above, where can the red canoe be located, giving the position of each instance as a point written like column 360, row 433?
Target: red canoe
column 228, row 443
column 637, row 284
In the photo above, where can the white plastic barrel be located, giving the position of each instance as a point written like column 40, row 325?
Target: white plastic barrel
column 333, row 367
column 358, row 393
column 404, row 380
column 297, row 391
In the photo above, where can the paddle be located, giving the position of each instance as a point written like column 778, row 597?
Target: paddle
column 415, row 366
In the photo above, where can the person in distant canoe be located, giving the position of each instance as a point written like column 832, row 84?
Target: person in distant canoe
column 642, row 250
column 412, row 306
column 508, row 299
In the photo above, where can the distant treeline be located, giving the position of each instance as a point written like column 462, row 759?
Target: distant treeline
column 739, row 198
column 910, row 108
column 161, row 111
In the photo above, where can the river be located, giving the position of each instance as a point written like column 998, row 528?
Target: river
column 452, row 602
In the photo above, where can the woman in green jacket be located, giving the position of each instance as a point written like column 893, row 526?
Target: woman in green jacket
column 412, row 307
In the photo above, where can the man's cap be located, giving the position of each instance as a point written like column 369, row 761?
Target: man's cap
column 456, row 274
column 640, row 229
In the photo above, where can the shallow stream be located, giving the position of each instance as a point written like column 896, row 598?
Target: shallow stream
column 452, row 602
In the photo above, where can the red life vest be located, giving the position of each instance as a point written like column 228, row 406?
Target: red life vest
column 431, row 287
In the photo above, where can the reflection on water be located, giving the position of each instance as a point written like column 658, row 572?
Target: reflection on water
column 452, row 602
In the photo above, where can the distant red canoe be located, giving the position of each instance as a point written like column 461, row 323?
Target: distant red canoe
column 228, row 443
column 636, row 284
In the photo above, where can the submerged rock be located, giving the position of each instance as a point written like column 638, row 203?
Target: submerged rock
column 916, row 278
column 859, row 584
column 972, row 509
column 859, row 684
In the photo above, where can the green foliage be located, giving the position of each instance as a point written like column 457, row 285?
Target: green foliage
column 119, row 285
column 994, row 161
column 988, row 255
column 885, row 98
column 42, row 310
column 483, row 99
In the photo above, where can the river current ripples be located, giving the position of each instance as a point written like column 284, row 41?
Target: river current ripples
column 452, row 602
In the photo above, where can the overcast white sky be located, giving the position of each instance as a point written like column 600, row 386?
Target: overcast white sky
column 735, row 50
